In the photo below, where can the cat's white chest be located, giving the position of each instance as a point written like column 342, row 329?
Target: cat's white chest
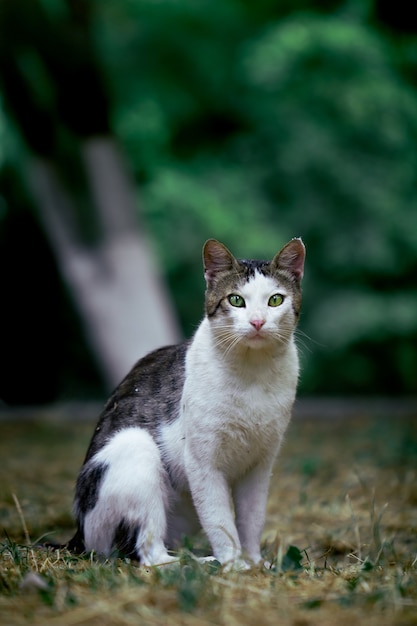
column 234, row 416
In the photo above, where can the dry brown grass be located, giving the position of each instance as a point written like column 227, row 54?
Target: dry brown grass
column 344, row 495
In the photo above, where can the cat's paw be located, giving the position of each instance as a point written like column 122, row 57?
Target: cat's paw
column 164, row 560
column 207, row 559
column 241, row 565
column 237, row 565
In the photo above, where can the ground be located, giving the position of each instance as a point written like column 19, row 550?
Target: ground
column 341, row 533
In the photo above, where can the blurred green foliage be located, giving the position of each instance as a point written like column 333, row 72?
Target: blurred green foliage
column 257, row 122
column 254, row 126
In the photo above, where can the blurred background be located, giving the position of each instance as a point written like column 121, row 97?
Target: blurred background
column 133, row 130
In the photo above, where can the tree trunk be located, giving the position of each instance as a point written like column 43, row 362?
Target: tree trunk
column 115, row 284
column 112, row 276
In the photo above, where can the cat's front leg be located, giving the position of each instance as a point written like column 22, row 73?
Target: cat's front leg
column 211, row 497
column 250, row 497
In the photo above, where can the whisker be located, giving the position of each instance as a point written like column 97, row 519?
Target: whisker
column 304, row 335
column 226, row 337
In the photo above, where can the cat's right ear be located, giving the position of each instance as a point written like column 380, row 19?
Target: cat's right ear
column 291, row 258
column 216, row 258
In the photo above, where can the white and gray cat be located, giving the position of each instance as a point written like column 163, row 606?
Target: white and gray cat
column 189, row 438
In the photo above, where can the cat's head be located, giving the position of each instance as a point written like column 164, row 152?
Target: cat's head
column 254, row 304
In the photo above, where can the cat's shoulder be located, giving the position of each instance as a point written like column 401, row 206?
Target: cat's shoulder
column 146, row 397
column 165, row 365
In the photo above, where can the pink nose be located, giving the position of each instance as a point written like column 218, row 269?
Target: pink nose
column 257, row 323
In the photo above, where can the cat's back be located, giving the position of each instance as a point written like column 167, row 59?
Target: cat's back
column 148, row 397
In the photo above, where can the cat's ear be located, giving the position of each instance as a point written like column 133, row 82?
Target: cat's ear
column 291, row 258
column 216, row 258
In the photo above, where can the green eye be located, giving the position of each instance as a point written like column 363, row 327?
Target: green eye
column 275, row 300
column 236, row 300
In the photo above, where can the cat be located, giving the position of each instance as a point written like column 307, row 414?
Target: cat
column 189, row 438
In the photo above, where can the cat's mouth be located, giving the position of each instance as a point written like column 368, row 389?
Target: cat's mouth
column 257, row 334
column 257, row 337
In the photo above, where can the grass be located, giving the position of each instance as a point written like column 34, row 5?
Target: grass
column 341, row 535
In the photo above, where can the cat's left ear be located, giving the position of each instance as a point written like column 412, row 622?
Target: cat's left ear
column 216, row 258
column 291, row 258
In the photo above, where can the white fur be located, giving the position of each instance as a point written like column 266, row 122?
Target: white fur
column 235, row 407
column 235, row 411
column 256, row 293
column 134, row 489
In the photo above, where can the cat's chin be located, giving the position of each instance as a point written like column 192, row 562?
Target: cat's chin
column 257, row 341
